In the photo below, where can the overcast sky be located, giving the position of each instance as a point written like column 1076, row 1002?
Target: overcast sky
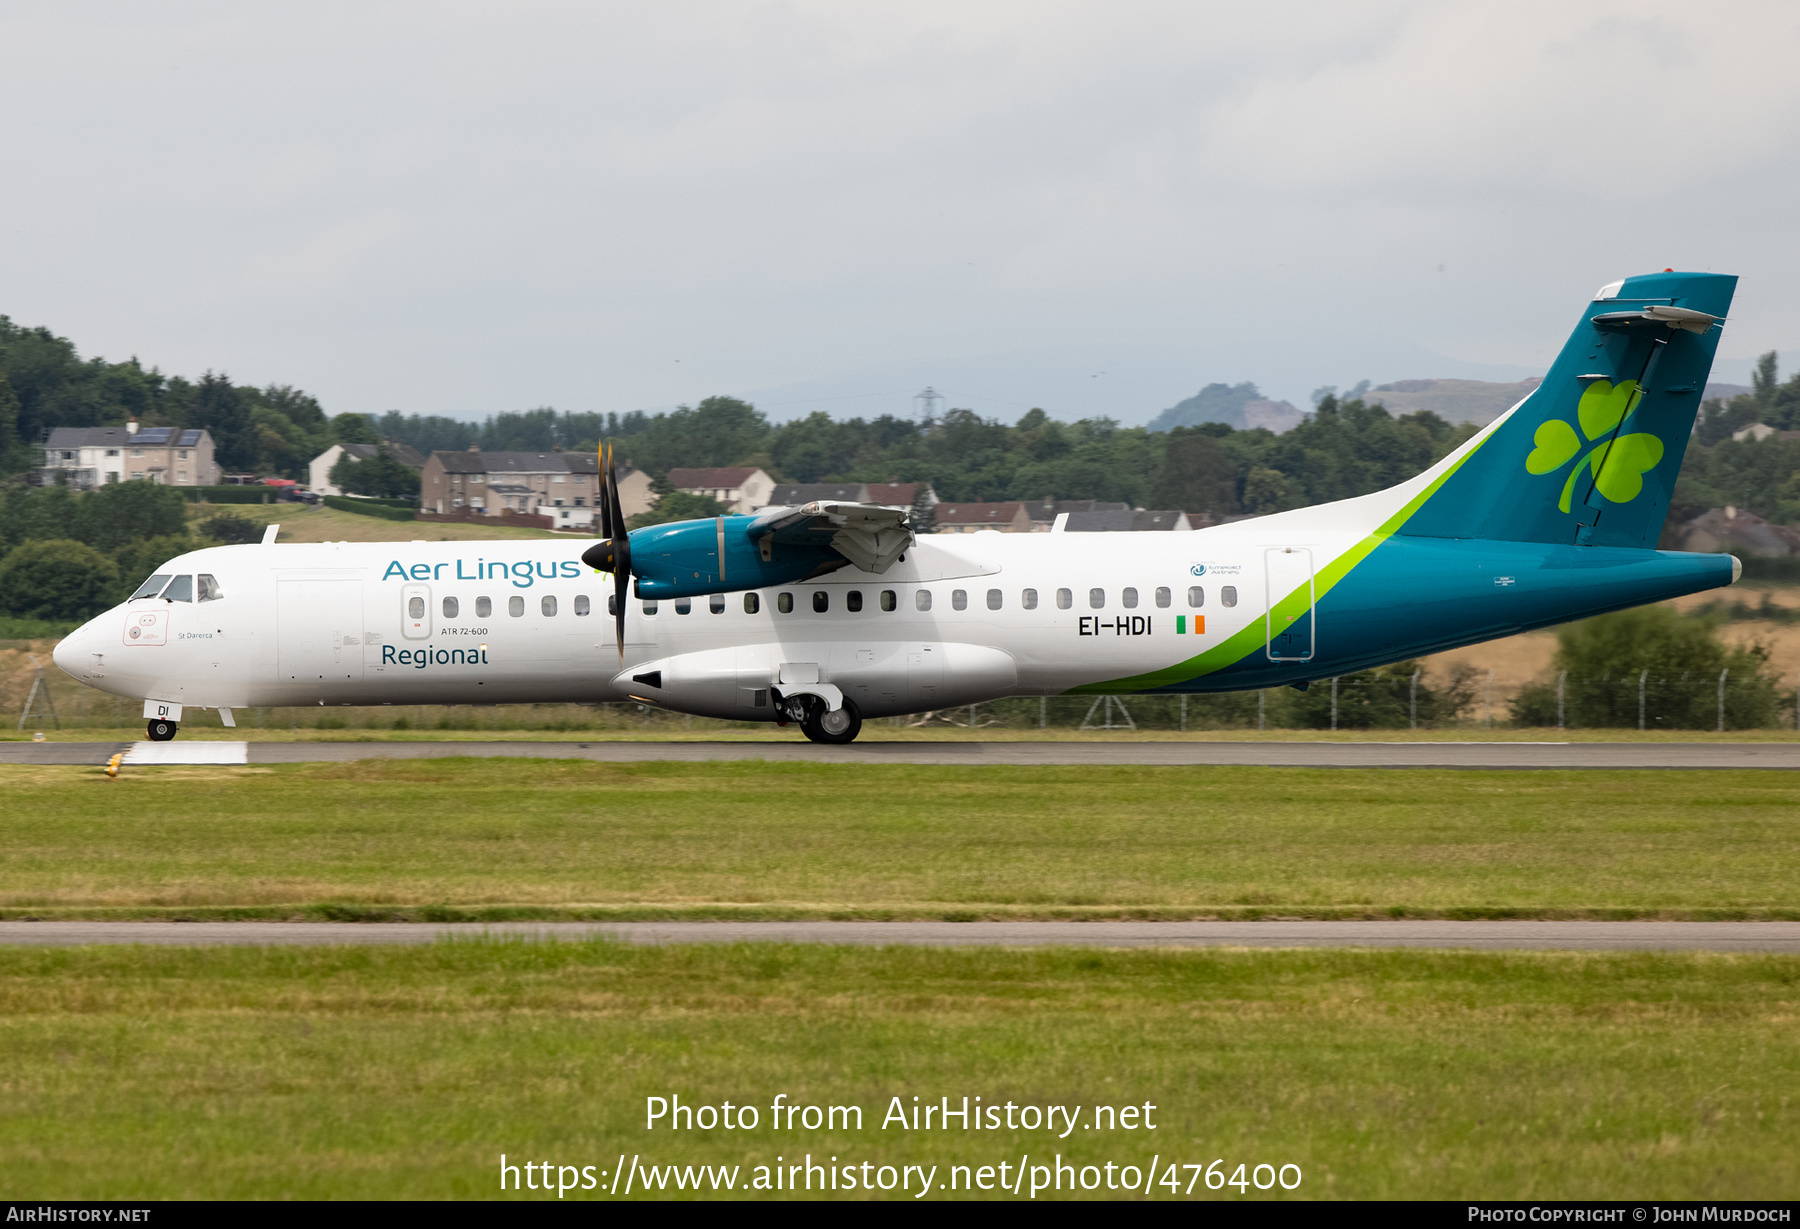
column 469, row 207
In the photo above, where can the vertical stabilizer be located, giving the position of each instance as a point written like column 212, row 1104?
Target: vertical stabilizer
column 1591, row 456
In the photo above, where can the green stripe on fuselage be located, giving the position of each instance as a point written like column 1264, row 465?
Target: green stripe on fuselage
column 1248, row 640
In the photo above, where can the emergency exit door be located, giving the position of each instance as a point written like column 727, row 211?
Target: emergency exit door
column 1289, row 602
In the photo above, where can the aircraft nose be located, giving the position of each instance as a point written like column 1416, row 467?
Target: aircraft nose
column 69, row 652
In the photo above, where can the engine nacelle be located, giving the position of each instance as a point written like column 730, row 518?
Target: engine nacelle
column 718, row 555
column 884, row 678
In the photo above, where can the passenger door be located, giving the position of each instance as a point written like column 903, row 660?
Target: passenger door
column 1289, row 602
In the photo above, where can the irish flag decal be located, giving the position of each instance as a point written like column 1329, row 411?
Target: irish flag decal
column 1198, row 624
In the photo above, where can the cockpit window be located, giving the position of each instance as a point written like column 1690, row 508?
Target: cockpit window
column 151, row 587
column 181, row 589
column 209, row 589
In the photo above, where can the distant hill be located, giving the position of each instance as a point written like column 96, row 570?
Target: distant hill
column 1476, row 401
column 1473, row 401
column 1237, row 405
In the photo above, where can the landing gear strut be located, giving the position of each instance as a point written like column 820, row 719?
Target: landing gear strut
column 834, row 726
column 162, row 731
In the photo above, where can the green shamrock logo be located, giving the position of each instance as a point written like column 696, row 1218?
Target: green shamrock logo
column 1618, row 465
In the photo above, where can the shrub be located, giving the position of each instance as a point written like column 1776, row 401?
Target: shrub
column 230, row 529
column 364, row 507
column 108, row 517
column 257, row 494
column 1678, row 659
column 1382, row 699
column 381, row 474
column 57, row 579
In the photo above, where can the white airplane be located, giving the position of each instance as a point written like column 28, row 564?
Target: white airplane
column 825, row 614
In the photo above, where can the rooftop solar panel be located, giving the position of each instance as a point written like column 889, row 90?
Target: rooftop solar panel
column 154, row 435
column 188, row 439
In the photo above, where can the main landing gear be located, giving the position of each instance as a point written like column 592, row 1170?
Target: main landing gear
column 162, row 731
column 835, row 726
column 819, row 724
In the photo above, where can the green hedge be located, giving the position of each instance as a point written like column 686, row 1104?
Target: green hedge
column 1777, row 570
column 231, row 494
column 383, row 499
column 15, row 628
column 368, row 507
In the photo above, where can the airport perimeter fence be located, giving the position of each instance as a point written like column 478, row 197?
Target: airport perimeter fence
column 36, row 695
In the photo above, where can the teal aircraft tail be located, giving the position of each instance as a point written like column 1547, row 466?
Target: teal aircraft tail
column 1591, row 455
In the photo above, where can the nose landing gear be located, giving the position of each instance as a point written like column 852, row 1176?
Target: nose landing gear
column 162, row 731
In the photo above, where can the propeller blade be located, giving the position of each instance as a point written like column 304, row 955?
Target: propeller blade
column 621, row 581
column 606, row 529
column 614, row 511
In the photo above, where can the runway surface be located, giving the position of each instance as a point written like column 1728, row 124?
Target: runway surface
column 1506, row 755
column 1580, row 936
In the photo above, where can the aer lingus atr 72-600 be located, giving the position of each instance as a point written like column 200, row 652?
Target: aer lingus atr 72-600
column 828, row 613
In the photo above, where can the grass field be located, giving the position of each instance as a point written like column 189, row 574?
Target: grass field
column 317, row 523
column 493, row 839
column 381, row 1073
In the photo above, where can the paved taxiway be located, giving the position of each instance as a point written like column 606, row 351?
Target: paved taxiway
column 1507, row 755
column 1501, row 935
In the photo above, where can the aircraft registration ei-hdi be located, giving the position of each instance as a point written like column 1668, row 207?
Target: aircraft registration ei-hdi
column 828, row 613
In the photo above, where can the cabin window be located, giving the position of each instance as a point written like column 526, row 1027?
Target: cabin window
column 752, row 603
column 151, row 587
column 1097, row 598
column 181, row 589
column 649, row 608
column 548, row 606
column 415, row 607
column 889, row 599
column 612, row 605
column 209, row 588
column 1065, row 598
column 821, row 601
column 1163, row 596
column 1028, row 599
column 922, row 599
column 515, row 606
column 716, row 603
column 1228, row 595
column 1128, row 598
column 853, row 601
column 959, row 599
column 450, row 608
column 1196, row 595
column 684, row 605
column 582, row 605
column 993, row 599
column 484, row 607
column 784, row 602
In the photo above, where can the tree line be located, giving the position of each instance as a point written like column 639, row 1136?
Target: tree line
column 1762, row 476
column 269, row 431
column 66, row 556
column 1346, row 448
column 1349, row 446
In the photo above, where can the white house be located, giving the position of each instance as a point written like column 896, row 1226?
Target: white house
column 742, row 488
column 95, row 456
column 318, row 472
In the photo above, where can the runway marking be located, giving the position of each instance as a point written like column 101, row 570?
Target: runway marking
column 1780, row 937
column 194, row 751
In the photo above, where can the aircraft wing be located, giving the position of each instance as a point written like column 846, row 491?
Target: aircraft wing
column 870, row 536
